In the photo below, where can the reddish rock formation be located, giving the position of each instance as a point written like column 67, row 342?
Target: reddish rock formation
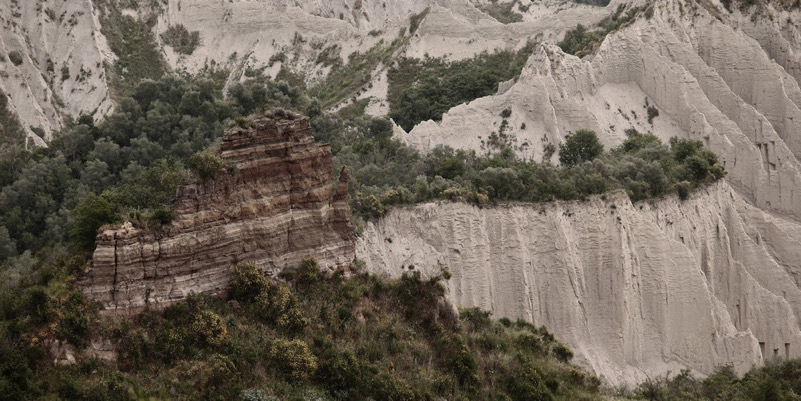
column 277, row 206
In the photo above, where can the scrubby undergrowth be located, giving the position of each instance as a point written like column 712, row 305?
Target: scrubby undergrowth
column 307, row 335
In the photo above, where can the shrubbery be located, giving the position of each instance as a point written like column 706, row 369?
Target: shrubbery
column 15, row 57
column 366, row 338
column 421, row 90
column 126, row 167
column 642, row 166
column 181, row 39
column 579, row 147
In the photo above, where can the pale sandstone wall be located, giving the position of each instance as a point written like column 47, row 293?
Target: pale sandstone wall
column 36, row 91
column 637, row 290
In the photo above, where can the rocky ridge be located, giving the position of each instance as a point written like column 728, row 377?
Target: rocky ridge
column 276, row 206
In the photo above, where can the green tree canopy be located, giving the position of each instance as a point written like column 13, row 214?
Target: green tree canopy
column 581, row 146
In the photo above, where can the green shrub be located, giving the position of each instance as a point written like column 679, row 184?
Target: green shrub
column 209, row 329
column 207, row 165
column 579, row 147
column 247, row 282
column 180, row 39
column 92, row 213
column 293, row 359
column 653, row 112
column 562, row 352
column 73, row 313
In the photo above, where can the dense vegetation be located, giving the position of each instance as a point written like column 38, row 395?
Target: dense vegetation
column 421, row 90
column 308, row 336
column 132, row 161
column 181, row 39
column 642, row 166
column 776, row 381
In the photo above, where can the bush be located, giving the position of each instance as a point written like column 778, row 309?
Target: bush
column 293, row 359
column 181, row 39
column 209, row 329
column 581, row 146
column 653, row 112
column 247, row 283
column 207, row 165
column 73, row 313
column 562, row 352
column 92, row 213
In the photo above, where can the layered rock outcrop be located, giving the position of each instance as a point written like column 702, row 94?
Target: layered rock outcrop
column 637, row 290
column 278, row 206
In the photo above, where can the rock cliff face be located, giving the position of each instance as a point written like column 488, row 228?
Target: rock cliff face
column 278, row 206
column 51, row 58
column 637, row 290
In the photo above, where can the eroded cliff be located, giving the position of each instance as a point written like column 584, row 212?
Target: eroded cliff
column 637, row 290
column 276, row 205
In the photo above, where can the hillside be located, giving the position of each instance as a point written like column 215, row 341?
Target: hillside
column 622, row 173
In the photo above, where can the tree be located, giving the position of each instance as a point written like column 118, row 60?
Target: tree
column 581, row 146
column 92, row 213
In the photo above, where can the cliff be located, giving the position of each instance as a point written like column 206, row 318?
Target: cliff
column 277, row 207
column 637, row 290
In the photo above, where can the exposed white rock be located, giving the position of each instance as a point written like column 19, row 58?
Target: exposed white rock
column 637, row 290
column 62, row 72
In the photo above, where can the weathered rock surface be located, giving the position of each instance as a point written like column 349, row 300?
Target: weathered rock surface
column 51, row 62
column 279, row 206
column 709, row 81
column 637, row 290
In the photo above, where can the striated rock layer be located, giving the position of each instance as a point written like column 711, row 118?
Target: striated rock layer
column 637, row 290
column 278, row 207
